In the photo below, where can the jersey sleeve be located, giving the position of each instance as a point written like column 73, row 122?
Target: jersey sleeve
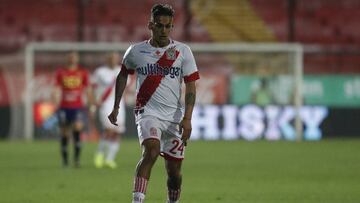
column 128, row 66
column 58, row 78
column 86, row 78
column 190, row 70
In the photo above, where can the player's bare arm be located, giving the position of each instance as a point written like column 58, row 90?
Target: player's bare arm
column 190, row 98
column 56, row 95
column 120, row 85
column 91, row 100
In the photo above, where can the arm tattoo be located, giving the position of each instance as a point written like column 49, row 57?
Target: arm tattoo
column 190, row 99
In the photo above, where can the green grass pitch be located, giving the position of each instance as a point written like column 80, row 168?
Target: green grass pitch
column 327, row 171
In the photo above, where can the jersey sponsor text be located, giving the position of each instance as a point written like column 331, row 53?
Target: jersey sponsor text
column 156, row 69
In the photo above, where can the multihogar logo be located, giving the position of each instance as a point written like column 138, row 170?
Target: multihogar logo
column 155, row 69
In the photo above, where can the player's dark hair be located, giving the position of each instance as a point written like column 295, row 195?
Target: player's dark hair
column 162, row 10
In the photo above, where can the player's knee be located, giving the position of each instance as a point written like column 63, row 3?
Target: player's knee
column 66, row 132
column 78, row 126
column 152, row 153
column 151, row 149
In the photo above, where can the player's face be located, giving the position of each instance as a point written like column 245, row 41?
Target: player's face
column 114, row 59
column 160, row 28
column 73, row 58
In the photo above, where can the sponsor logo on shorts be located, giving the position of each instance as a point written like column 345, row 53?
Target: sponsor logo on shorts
column 153, row 132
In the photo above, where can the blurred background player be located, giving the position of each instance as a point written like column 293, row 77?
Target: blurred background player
column 71, row 83
column 104, row 81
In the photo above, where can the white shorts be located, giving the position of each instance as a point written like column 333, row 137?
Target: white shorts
column 171, row 145
column 104, row 112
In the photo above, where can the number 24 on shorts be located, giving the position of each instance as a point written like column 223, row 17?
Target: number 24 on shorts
column 178, row 147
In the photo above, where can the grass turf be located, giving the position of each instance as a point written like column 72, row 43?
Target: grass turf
column 215, row 171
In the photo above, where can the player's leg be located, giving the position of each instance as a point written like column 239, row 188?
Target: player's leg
column 103, row 144
column 113, row 148
column 115, row 133
column 64, row 142
column 173, row 149
column 65, row 131
column 151, row 150
column 109, row 141
column 174, row 180
column 149, row 137
column 78, row 126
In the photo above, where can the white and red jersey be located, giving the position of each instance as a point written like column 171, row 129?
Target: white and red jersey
column 160, row 73
column 103, row 80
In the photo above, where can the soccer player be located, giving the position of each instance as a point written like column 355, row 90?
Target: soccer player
column 72, row 82
column 161, row 65
column 104, row 81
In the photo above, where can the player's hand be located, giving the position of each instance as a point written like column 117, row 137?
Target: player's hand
column 113, row 116
column 98, row 103
column 185, row 130
column 92, row 110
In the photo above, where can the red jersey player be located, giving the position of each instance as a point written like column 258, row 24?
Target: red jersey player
column 71, row 83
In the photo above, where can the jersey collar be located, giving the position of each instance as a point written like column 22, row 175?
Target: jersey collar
column 171, row 43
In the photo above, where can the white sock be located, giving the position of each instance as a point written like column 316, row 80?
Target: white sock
column 102, row 145
column 138, row 197
column 114, row 147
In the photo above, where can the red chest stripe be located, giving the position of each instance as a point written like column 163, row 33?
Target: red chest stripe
column 107, row 91
column 152, row 82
